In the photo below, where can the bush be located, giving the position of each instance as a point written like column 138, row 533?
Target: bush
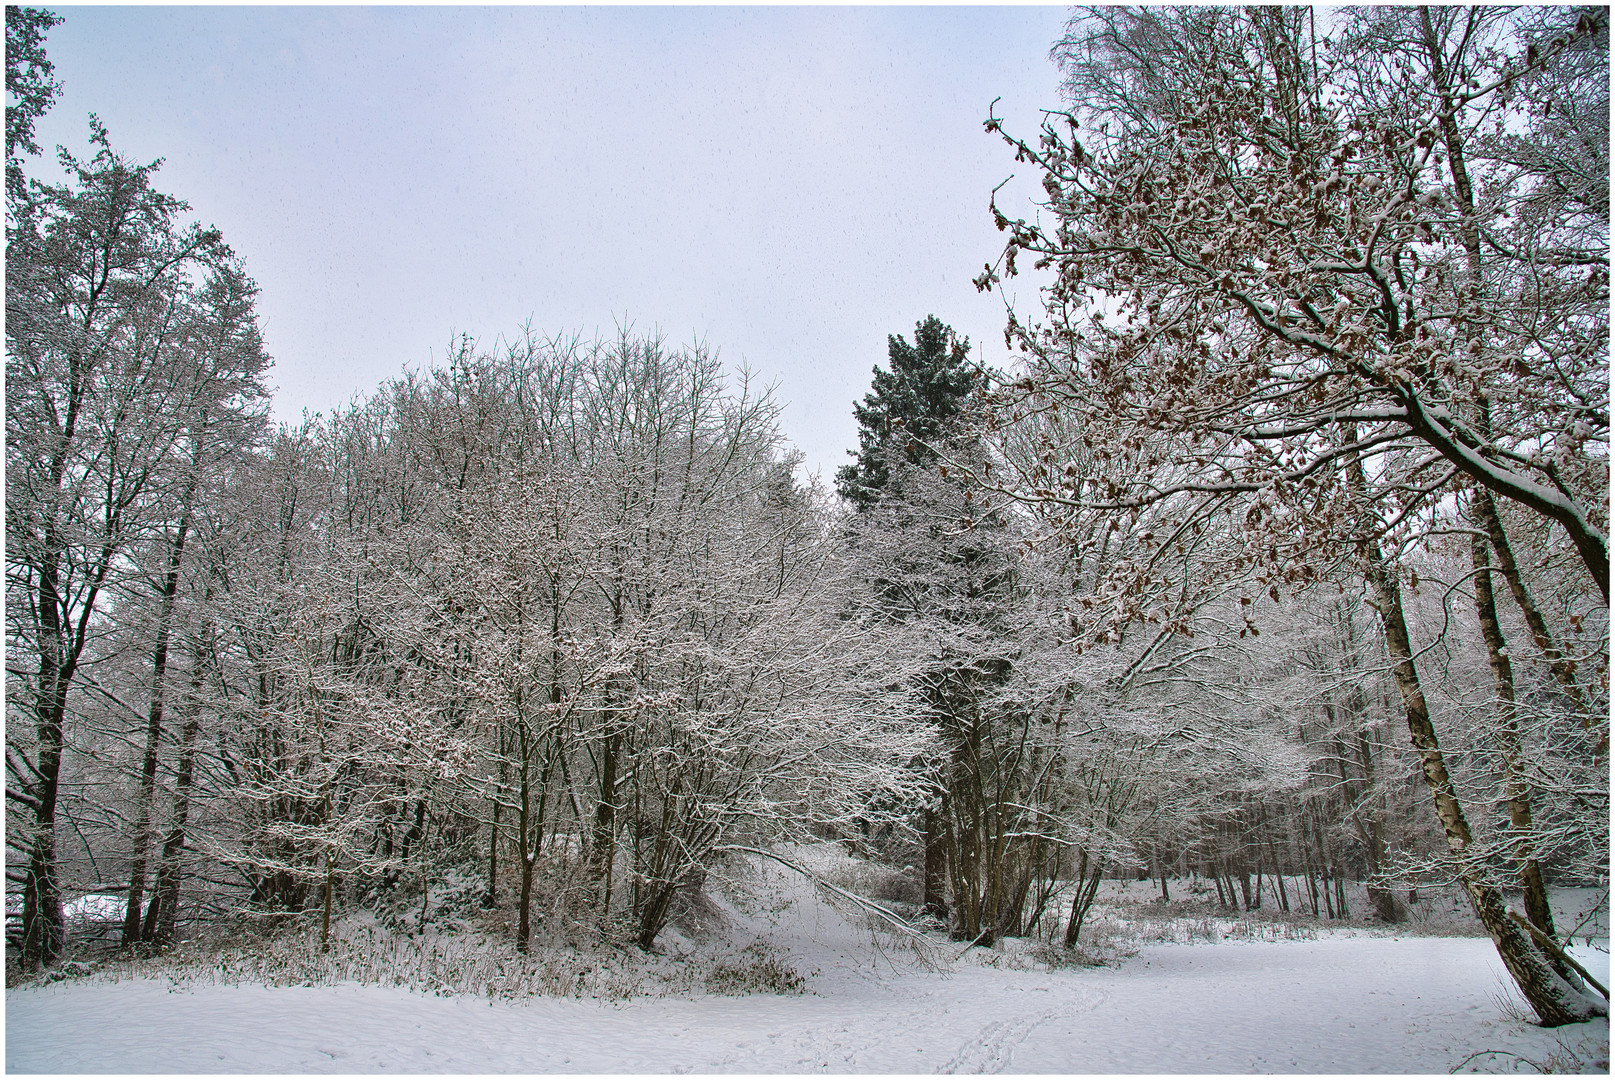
column 758, row 970
column 368, row 952
column 874, row 881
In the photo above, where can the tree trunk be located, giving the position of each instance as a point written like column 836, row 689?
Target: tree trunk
column 163, row 913
column 43, row 928
column 1516, row 790
column 1325, row 860
column 524, row 860
column 1387, row 905
column 602, row 848
column 1556, row 1000
column 1087, row 887
column 146, row 805
column 1563, row 670
column 965, row 854
column 934, row 827
column 44, row 931
column 490, row 895
column 59, row 643
column 325, row 915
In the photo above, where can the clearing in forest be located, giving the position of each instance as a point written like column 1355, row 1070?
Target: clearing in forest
column 1310, row 1000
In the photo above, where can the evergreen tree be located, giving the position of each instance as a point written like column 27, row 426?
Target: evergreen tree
column 939, row 570
column 909, row 410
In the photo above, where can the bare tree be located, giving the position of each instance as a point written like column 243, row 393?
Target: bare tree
column 216, row 350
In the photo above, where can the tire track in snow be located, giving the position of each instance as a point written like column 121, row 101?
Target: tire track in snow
column 992, row 1048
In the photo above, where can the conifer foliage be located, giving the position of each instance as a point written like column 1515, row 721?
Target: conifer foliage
column 909, row 409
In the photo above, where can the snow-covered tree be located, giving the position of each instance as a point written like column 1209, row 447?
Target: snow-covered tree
column 910, row 411
column 29, row 84
column 1287, row 251
column 216, row 346
column 1273, row 295
column 107, row 293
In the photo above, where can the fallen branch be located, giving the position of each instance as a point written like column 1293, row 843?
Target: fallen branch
column 886, row 914
column 1548, row 943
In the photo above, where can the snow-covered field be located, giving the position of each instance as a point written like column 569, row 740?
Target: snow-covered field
column 1344, row 1003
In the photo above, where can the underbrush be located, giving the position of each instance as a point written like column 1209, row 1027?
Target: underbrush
column 438, row 937
column 1126, row 917
column 1119, row 925
column 897, row 890
column 1110, row 936
column 1438, row 912
column 373, row 955
column 1574, row 1053
column 444, row 941
column 757, row 970
column 1104, row 943
column 370, row 951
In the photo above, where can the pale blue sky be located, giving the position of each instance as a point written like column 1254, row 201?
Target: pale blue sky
column 790, row 184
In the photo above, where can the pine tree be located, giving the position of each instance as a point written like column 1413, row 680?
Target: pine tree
column 910, row 409
column 940, row 574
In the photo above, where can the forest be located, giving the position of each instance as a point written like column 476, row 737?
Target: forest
column 1276, row 570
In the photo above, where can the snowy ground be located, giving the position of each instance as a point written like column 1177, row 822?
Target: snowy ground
column 1338, row 1004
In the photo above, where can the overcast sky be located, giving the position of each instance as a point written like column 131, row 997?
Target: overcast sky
column 788, row 184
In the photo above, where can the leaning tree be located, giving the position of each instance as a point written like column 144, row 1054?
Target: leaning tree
column 1316, row 289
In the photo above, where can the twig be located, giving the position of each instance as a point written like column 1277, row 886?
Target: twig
column 1591, row 912
column 1478, row 1053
